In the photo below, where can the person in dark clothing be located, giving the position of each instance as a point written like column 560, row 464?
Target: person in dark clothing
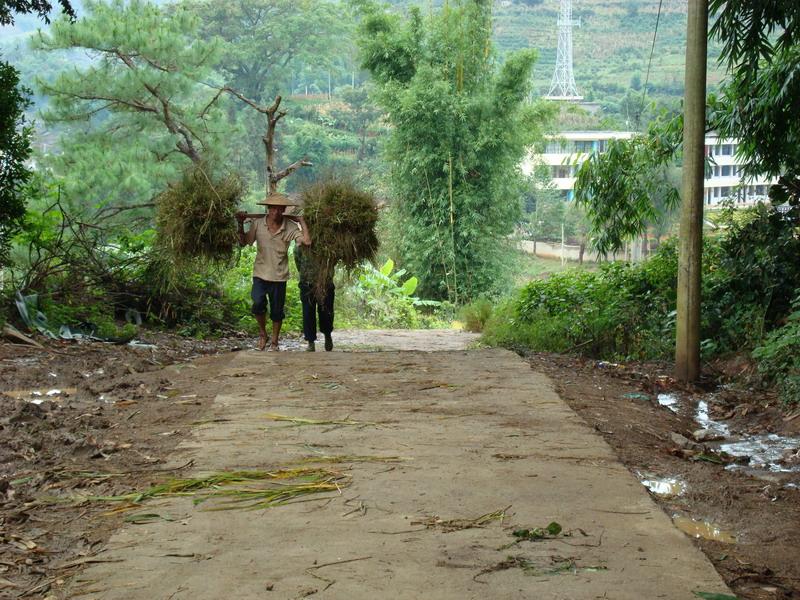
column 312, row 305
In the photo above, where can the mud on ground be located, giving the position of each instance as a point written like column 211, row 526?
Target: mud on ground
column 112, row 415
column 760, row 509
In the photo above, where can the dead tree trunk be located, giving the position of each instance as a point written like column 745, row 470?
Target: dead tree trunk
column 273, row 115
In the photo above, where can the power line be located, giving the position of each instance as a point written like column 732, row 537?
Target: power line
column 650, row 62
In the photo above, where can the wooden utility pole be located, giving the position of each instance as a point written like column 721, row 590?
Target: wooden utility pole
column 687, row 347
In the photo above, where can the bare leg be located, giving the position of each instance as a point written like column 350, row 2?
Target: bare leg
column 276, row 332
column 262, row 328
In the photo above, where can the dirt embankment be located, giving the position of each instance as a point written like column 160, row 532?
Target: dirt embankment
column 87, row 420
column 757, row 508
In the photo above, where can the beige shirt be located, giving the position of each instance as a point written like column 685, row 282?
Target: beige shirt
column 272, row 261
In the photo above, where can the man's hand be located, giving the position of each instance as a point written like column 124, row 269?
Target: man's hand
column 306, row 240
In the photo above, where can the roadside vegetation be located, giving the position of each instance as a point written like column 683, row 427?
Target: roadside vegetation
column 624, row 311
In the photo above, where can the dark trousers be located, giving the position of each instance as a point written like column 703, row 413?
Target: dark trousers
column 312, row 306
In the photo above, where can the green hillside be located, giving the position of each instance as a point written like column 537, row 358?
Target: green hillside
column 611, row 46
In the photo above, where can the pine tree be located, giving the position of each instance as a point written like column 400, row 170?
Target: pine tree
column 141, row 110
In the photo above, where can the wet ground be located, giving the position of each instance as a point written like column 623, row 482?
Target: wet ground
column 114, row 414
column 736, row 492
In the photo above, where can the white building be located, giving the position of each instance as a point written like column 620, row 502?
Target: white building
column 565, row 152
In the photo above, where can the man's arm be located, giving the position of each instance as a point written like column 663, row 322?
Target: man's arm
column 305, row 239
column 245, row 239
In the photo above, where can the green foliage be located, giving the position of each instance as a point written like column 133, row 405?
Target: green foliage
column 383, row 298
column 615, row 311
column 756, row 269
column 90, row 315
column 750, row 277
column 476, row 314
column 266, row 40
column 759, row 109
column 620, row 310
column 627, row 188
column 138, row 111
column 778, row 357
column 14, row 151
column 543, row 334
column 41, row 7
column 460, row 130
column 757, row 104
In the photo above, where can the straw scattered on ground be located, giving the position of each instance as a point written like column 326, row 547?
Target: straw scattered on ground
column 237, row 489
column 451, row 525
column 300, row 421
column 352, row 459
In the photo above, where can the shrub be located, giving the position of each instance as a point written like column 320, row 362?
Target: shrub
column 385, row 298
column 750, row 274
column 779, row 357
column 475, row 315
column 620, row 310
column 543, row 333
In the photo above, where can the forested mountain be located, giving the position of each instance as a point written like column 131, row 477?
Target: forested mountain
column 611, row 44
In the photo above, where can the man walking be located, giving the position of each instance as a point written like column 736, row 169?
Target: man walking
column 272, row 235
column 312, row 303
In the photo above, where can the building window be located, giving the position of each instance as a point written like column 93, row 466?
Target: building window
column 562, row 171
column 726, row 171
column 556, row 147
column 584, row 146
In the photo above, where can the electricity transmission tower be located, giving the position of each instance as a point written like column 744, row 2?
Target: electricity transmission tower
column 563, row 85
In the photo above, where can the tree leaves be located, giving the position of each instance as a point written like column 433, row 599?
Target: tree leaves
column 460, row 130
column 626, row 188
column 14, row 151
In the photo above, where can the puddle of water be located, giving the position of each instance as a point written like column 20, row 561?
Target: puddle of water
column 37, row 397
column 765, row 451
column 142, row 345
column 669, row 401
column 703, row 529
column 706, row 422
column 667, row 486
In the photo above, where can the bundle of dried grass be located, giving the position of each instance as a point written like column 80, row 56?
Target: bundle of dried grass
column 195, row 216
column 342, row 219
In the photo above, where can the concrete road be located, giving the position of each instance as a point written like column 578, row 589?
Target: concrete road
column 471, row 433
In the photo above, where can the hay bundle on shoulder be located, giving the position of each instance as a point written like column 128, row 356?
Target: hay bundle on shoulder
column 195, row 216
column 342, row 219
